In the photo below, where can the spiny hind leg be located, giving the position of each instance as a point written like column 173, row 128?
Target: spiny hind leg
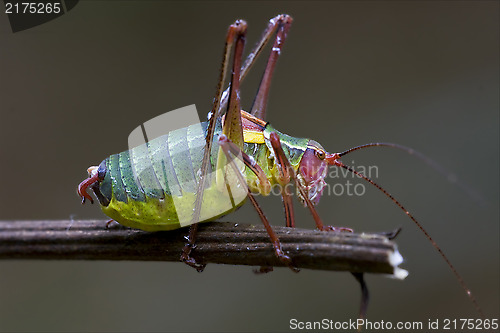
column 235, row 35
column 282, row 23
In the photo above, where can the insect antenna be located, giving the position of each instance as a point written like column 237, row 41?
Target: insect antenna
column 451, row 177
column 455, row 272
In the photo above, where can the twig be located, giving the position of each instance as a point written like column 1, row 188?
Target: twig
column 218, row 242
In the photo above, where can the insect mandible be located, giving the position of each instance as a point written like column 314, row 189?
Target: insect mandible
column 170, row 182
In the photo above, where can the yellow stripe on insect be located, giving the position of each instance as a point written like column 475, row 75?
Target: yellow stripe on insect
column 253, row 136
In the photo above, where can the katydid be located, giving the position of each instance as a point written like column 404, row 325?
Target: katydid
column 147, row 186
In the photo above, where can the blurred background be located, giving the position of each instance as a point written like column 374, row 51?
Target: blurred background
column 422, row 74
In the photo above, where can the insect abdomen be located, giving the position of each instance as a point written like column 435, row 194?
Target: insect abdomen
column 153, row 186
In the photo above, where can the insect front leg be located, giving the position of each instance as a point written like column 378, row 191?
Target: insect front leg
column 287, row 171
column 288, row 206
column 230, row 148
column 284, row 176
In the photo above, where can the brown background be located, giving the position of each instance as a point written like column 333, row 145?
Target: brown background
column 423, row 74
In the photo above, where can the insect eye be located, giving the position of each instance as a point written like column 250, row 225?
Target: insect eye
column 320, row 154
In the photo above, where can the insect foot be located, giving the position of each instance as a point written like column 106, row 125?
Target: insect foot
column 193, row 263
column 336, row 229
column 285, row 259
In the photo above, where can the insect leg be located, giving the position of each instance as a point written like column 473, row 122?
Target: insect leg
column 235, row 32
column 288, row 206
column 274, row 23
column 365, row 295
column 232, row 125
column 229, row 147
column 285, row 173
column 281, row 158
column 260, row 102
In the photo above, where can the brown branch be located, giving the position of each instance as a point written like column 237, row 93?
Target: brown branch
column 218, row 242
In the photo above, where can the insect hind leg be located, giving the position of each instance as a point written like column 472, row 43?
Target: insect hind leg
column 282, row 23
column 235, row 36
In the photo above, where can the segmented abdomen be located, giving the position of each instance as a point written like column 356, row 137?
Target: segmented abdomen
column 147, row 186
column 165, row 166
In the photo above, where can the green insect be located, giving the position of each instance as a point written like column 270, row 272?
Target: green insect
column 174, row 181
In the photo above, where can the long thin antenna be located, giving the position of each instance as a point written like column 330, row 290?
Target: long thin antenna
column 455, row 272
column 450, row 176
